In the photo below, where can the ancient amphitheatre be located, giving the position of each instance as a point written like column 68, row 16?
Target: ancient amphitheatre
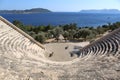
column 23, row 58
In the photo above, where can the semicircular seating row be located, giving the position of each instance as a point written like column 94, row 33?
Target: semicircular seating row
column 107, row 45
column 16, row 45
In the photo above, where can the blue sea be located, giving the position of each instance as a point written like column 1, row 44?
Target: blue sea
column 61, row 18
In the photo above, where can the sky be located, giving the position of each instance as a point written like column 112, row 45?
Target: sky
column 59, row 5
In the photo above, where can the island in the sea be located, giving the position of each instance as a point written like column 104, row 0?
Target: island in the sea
column 101, row 11
column 27, row 11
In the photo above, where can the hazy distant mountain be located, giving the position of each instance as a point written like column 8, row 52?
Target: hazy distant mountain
column 27, row 11
column 101, row 11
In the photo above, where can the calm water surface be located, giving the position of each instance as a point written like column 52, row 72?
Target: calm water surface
column 60, row 18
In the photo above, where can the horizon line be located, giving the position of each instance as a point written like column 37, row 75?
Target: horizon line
column 64, row 11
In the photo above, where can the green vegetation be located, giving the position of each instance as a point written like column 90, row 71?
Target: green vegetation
column 70, row 32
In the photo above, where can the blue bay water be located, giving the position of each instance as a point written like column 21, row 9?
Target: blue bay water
column 61, row 18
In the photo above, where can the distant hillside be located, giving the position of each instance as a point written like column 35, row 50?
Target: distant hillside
column 27, row 11
column 101, row 11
